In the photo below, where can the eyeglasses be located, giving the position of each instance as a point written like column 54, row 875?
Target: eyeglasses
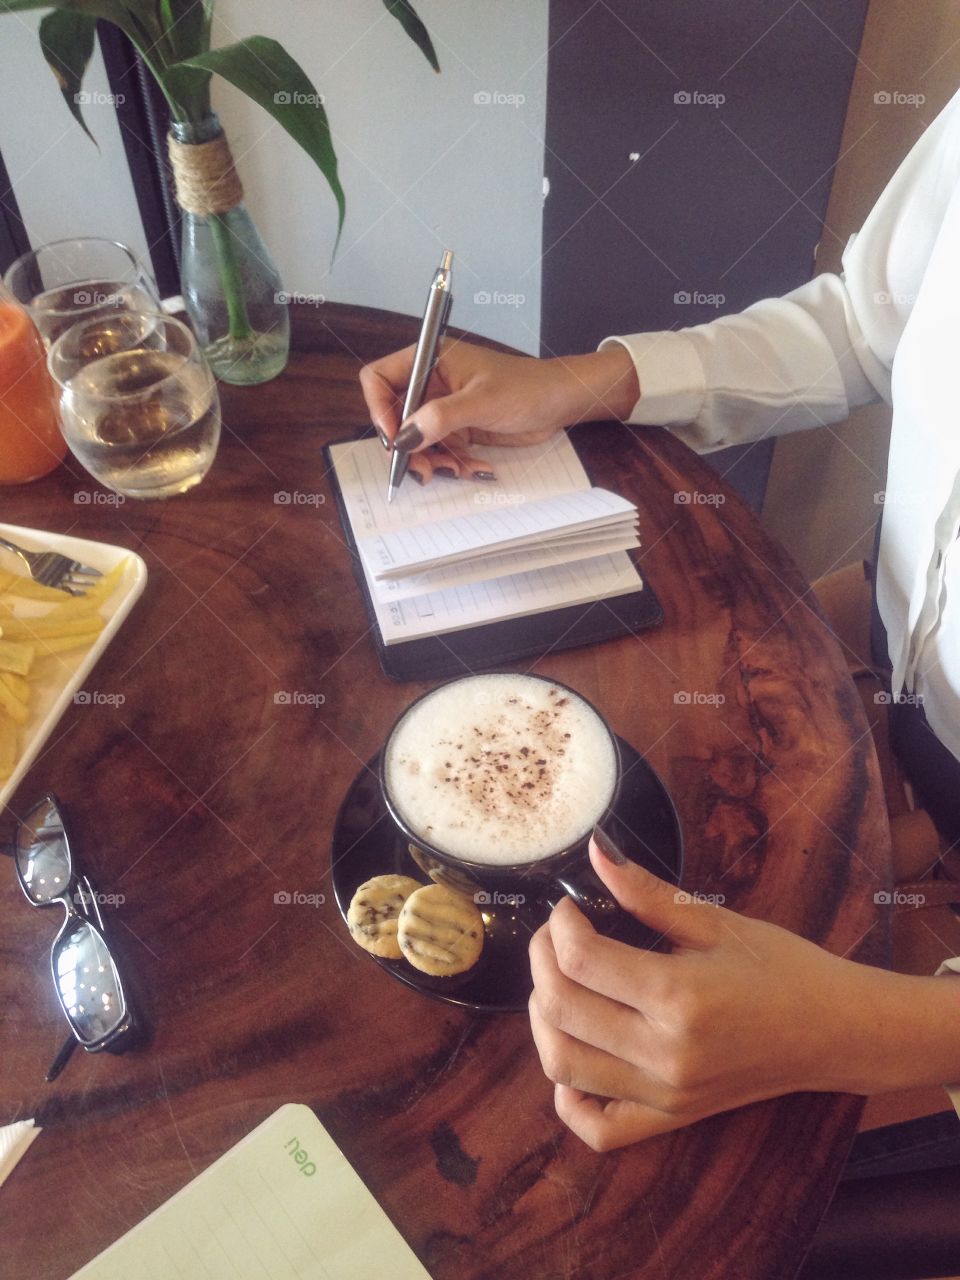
column 85, row 971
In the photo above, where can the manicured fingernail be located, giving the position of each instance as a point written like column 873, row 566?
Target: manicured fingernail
column 447, row 472
column 607, row 847
column 408, row 437
column 384, row 438
column 415, row 475
column 484, row 475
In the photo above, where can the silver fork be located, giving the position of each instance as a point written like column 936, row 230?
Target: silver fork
column 51, row 569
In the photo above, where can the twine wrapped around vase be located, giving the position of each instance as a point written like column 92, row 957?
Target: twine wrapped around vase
column 206, row 181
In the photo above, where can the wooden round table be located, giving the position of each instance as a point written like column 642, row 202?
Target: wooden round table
column 201, row 797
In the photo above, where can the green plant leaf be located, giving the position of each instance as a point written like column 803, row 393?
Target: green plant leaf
column 67, row 40
column 187, row 24
column 187, row 89
column 263, row 70
column 405, row 14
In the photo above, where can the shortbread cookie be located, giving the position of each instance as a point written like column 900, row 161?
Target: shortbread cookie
column 373, row 912
column 440, row 931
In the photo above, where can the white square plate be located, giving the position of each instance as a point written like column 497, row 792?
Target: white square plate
column 51, row 699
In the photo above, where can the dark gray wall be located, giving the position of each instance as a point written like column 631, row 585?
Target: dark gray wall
column 725, row 200
column 13, row 235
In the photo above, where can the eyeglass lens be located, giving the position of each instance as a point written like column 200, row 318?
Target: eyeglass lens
column 43, row 855
column 87, row 982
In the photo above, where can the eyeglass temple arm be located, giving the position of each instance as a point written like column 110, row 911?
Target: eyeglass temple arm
column 64, row 1055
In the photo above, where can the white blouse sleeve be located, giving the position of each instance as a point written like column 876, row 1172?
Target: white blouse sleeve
column 808, row 358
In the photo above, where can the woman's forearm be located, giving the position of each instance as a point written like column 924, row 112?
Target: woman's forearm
column 595, row 387
column 904, row 1032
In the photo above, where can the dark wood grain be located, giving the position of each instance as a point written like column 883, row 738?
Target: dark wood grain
column 200, row 797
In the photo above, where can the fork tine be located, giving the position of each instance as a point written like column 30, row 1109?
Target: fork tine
column 52, row 569
column 48, row 573
column 74, row 587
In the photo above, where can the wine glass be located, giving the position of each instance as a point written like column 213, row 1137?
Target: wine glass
column 70, row 280
column 139, row 406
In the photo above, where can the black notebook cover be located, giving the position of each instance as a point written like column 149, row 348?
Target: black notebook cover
column 496, row 644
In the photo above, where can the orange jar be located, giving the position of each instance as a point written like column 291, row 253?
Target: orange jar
column 30, row 439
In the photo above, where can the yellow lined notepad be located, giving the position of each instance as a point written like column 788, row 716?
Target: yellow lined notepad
column 283, row 1204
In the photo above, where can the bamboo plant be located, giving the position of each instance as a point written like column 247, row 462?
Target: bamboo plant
column 172, row 38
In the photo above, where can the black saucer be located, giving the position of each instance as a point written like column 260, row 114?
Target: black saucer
column 366, row 843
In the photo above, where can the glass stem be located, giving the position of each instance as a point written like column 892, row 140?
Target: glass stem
column 230, row 277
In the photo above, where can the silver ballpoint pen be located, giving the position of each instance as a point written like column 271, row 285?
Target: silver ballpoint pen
column 439, row 299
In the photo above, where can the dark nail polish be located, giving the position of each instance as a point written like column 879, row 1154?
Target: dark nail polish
column 484, row 475
column 384, row 438
column 607, row 847
column 447, row 472
column 415, row 475
column 408, row 437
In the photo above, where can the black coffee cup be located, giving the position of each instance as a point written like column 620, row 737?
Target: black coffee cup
column 564, row 872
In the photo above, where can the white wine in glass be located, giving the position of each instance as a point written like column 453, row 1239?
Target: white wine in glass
column 138, row 404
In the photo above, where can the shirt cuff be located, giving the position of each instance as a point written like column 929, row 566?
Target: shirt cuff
column 951, row 966
column 671, row 377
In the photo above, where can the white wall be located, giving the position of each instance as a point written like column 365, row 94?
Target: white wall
column 424, row 166
column 64, row 186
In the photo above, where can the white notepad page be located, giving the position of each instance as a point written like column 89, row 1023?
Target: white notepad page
column 283, row 1204
column 493, row 530
column 509, row 562
column 535, row 471
column 523, row 474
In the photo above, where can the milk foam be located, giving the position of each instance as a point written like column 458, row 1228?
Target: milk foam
column 501, row 769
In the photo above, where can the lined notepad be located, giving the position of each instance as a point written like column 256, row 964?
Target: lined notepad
column 457, row 554
column 283, row 1204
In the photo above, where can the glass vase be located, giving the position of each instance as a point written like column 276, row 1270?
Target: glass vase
column 231, row 289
